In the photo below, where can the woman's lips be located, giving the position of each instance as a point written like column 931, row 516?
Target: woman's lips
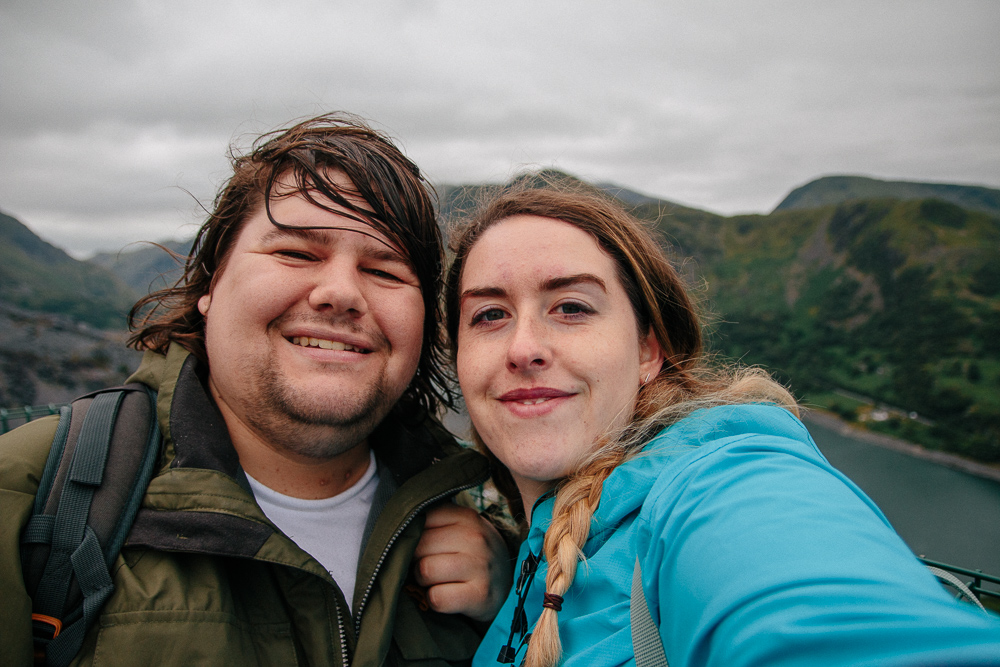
column 533, row 394
column 534, row 401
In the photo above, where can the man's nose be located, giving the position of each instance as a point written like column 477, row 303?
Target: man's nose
column 529, row 348
column 338, row 286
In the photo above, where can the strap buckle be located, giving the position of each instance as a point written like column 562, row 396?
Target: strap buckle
column 39, row 621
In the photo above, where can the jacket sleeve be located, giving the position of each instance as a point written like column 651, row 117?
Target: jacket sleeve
column 760, row 553
column 22, row 458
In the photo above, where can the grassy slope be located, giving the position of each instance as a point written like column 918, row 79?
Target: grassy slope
column 37, row 276
column 897, row 301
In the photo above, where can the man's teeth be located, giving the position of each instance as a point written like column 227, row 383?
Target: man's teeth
column 306, row 341
column 533, row 401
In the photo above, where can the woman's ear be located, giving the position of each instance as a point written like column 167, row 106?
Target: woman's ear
column 650, row 357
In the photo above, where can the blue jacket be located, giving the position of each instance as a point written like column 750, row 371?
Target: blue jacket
column 754, row 551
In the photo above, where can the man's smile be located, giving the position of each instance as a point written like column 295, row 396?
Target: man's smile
column 308, row 341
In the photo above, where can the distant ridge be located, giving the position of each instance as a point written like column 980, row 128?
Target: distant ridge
column 146, row 266
column 830, row 190
column 630, row 197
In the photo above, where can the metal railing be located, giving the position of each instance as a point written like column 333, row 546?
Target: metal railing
column 11, row 418
column 975, row 580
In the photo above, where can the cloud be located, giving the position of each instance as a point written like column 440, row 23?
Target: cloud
column 111, row 110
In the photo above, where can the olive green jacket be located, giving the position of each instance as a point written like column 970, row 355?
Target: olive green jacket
column 205, row 579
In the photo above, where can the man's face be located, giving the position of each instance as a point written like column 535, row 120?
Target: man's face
column 312, row 335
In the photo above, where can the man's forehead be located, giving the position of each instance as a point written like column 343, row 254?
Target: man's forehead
column 288, row 182
column 288, row 186
column 291, row 183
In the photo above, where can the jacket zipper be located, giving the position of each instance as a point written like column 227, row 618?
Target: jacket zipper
column 343, row 638
column 519, row 622
column 392, row 540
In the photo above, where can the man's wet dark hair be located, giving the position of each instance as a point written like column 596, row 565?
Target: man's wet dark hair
column 398, row 203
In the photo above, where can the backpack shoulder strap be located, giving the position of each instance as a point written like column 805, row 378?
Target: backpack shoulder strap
column 964, row 593
column 646, row 641
column 103, row 455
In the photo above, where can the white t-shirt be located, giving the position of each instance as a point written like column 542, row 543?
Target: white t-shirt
column 330, row 529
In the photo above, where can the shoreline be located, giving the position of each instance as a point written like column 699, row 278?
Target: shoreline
column 847, row 429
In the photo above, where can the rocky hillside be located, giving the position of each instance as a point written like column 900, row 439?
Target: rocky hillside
column 47, row 358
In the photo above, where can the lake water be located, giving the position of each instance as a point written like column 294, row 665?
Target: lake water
column 946, row 515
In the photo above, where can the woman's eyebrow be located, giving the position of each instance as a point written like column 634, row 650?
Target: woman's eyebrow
column 561, row 282
column 494, row 292
column 550, row 285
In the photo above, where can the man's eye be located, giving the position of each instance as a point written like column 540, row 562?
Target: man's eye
column 294, row 254
column 379, row 273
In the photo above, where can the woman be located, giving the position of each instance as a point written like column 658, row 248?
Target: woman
column 579, row 356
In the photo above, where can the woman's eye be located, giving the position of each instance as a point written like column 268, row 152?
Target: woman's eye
column 573, row 308
column 488, row 315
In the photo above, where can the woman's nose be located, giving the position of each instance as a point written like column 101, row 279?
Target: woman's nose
column 529, row 349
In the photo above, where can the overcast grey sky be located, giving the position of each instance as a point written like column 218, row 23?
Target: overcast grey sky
column 111, row 110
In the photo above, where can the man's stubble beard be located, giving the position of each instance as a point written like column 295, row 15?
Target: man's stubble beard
column 309, row 426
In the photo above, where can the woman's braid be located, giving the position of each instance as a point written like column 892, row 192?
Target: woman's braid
column 575, row 503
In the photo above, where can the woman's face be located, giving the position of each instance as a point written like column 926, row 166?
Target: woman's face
column 549, row 355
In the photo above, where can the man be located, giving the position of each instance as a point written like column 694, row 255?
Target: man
column 296, row 516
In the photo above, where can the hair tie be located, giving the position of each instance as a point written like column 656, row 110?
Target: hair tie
column 553, row 602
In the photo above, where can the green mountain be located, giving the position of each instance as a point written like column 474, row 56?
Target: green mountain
column 896, row 301
column 37, row 276
column 838, row 189
column 883, row 307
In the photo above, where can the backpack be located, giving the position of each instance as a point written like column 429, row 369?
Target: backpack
column 83, row 511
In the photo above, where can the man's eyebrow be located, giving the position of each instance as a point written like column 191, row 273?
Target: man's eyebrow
column 305, row 233
column 387, row 254
column 382, row 251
